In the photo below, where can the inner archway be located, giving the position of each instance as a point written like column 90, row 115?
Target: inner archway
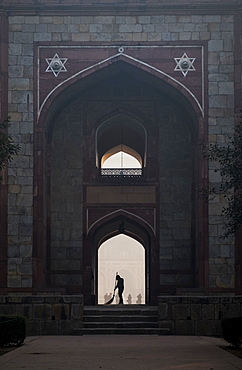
column 126, row 256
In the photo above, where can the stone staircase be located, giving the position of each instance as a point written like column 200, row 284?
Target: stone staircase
column 121, row 319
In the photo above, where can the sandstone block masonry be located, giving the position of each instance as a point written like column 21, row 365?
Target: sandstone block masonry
column 62, row 315
column 197, row 315
column 46, row 315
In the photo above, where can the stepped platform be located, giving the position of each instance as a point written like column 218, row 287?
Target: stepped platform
column 121, row 319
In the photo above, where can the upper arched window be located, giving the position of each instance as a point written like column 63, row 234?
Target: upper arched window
column 121, row 146
column 121, row 156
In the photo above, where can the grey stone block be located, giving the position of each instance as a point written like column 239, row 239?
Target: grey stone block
column 23, row 37
column 196, row 19
column 212, row 18
column 33, row 328
column 184, row 327
column 73, row 20
column 32, row 19
column 25, row 268
column 26, row 60
column 16, row 71
column 24, row 200
column 42, row 311
column 162, row 311
column 217, row 101
column 19, row 84
column 77, row 311
column 13, row 251
column 16, row 20
column 215, row 45
column 45, row 36
column 196, row 312
column 203, row 326
column 33, row 299
column 208, row 312
column 25, row 310
column 66, row 279
column 57, row 28
column 169, row 19
column 144, row 19
column 14, row 281
column 29, row 28
column 225, row 26
column 60, row 311
column 48, row 327
column 181, row 311
column 176, row 27
column 66, row 327
column 104, row 19
column 15, row 49
column 73, row 299
column 65, row 264
column 27, row 282
column 7, row 309
column 130, row 28
column 201, row 27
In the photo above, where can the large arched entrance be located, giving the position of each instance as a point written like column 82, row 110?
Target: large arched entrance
column 120, row 107
column 126, row 243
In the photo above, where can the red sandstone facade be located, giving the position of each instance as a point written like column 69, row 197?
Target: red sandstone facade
column 119, row 79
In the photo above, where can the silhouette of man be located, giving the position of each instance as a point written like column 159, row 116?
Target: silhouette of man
column 120, row 287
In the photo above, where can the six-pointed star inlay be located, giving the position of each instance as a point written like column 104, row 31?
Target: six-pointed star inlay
column 56, row 65
column 184, row 64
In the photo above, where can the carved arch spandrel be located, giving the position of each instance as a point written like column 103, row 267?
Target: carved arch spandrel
column 69, row 85
column 97, row 217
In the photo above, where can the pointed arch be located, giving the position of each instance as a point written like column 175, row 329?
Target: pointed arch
column 120, row 215
column 125, row 255
column 121, row 129
column 127, row 224
column 121, row 148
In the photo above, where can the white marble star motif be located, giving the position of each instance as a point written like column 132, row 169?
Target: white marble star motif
column 185, row 64
column 56, row 65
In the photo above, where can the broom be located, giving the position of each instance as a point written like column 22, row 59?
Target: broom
column 111, row 300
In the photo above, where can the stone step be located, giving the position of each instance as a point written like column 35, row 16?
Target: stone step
column 124, row 331
column 123, row 324
column 125, row 309
column 107, row 318
column 125, row 319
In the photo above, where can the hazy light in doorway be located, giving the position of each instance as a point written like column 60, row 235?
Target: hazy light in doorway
column 121, row 160
column 126, row 256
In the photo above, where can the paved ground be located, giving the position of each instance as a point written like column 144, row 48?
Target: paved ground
column 120, row 352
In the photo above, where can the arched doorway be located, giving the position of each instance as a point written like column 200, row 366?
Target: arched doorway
column 122, row 243
column 125, row 256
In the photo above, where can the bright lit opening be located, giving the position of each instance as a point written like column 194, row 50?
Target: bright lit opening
column 125, row 256
column 121, row 160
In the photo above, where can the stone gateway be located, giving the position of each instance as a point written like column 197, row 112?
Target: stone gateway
column 81, row 81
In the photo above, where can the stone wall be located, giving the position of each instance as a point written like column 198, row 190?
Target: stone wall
column 176, row 207
column 66, row 199
column 60, row 315
column 197, row 315
column 46, row 315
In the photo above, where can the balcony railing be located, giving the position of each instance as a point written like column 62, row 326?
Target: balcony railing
column 121, row 172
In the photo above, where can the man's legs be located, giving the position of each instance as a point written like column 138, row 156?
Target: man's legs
column 120, row 292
